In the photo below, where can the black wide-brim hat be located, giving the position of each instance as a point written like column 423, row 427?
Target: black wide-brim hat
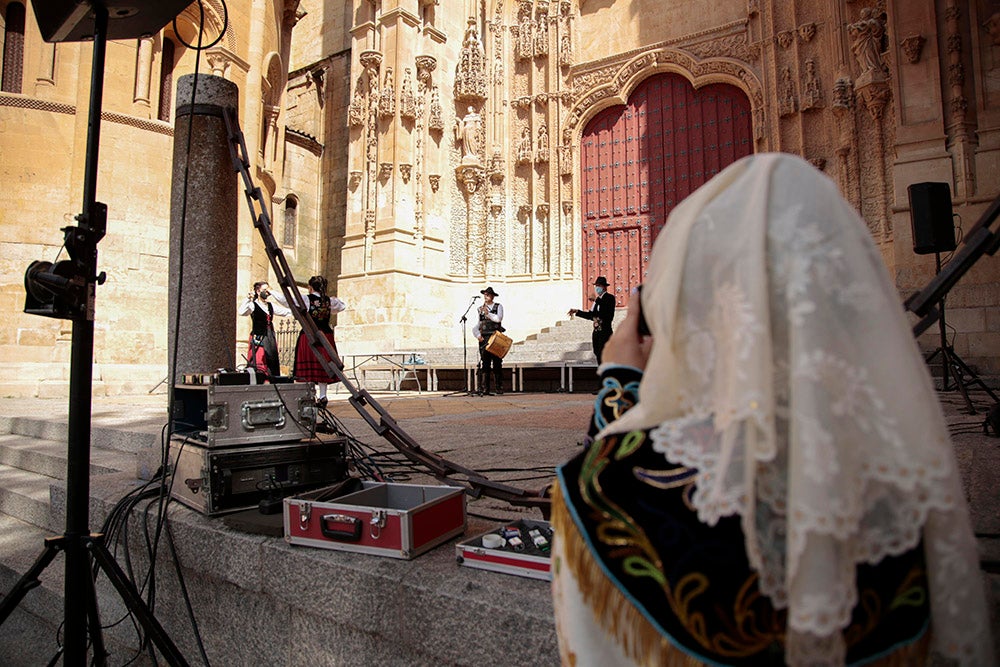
column 488, row 290
column 602, row 281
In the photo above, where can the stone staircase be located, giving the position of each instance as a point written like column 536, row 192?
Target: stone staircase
column 567, row 341
column 32, row 508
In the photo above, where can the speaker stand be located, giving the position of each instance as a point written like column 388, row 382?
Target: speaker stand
column 952, row 364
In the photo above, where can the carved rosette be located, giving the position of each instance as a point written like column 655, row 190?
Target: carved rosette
column 470, row 74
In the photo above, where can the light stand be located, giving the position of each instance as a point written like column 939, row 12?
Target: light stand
column 924, row 304
column 67, row 291
column 465, row 352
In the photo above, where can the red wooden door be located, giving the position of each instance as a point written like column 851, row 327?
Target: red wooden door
column 640, row 160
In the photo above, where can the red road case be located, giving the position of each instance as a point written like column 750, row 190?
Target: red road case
column 529, row 561
column 395, row 520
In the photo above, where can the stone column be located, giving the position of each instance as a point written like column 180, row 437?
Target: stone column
column 203, row 203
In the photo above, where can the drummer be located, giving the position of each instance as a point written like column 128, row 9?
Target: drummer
column 490, row 316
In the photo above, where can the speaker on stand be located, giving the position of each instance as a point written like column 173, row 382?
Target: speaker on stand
column 932, row 223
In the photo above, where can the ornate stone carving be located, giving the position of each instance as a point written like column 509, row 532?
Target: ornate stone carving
column 366, row 90
column 565, row 47
column 385, row 171
column 470, row 74
column 543, row 213
column 387, row 96
column 785, row 38
column 567, row 208
column 543, row 143
column 875, row 96
column 912, row 47
column 469, row 176
column 405, row 170
column 866, row 35
column 435, row 181
column 566, row 160
column 435, row 120
column 992, row 28
column 425, row 66
column 812, row 94
column 843, row 95
column 731, row 46
column 542, row 30
column 498, row 166
column 524, row 146
column 524, row 44
column 818, row 162
column 407, row 102
column 354, row 180
column 787, row 103
column 468, row 130
column 807, row 31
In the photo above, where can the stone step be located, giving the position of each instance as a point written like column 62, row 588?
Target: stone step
column 26, row 496
column 128, row 433
column 48, row 457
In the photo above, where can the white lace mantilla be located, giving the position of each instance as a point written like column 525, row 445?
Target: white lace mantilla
column 784, row 370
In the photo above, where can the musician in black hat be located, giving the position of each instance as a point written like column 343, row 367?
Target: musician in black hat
column 602, row 312
column 490, row 316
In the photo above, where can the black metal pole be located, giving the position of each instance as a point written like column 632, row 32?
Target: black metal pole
column 77, row 585
column 942, row 331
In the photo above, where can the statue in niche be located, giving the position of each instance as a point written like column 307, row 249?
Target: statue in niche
column 498, row 69
column 467, row 135
column 387, row 100
column 565, row 49
column 436, row 120
column 866, row 35
column 524, row 146
column 542, row 34
column 543, row 143
column 524, row 39
column 812, row 96
column 407, row 102
column 786, row 103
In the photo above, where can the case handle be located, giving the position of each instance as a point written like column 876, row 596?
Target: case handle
column 353, row 533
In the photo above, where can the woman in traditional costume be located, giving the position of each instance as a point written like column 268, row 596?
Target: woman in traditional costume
column 771, row 479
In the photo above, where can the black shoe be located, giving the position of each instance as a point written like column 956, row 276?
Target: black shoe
column 321, row 402
column 499, row 392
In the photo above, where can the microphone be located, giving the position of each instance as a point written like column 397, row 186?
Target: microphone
column 475, row 297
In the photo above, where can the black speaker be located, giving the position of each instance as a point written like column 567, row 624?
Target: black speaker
column 931, row 218
column 73, row 20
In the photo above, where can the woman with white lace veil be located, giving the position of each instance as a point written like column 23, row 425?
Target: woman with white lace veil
column 772, row 480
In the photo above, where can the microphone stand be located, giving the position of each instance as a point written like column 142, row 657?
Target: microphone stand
column 465, row 351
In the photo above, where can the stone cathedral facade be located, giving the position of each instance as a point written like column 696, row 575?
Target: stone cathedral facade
column 416, row 151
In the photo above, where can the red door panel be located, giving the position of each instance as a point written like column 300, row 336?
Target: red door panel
column 638, row 161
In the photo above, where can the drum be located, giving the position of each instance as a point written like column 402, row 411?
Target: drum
column 499, row 344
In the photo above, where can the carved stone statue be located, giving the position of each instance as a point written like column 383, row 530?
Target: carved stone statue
column 467, row 135
column 812, row 94
column 866, row 35
column 524, row 146
column 470, row 75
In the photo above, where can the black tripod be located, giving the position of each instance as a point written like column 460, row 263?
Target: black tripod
column 465, row 352
column 951, row 363
column 67, row 291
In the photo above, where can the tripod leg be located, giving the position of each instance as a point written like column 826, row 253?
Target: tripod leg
column 950, row 360
column 961, row 367
column 30, row 579
column 134, row 602
column 100, row 654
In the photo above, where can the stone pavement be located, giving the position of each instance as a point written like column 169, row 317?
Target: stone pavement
column 432, row 610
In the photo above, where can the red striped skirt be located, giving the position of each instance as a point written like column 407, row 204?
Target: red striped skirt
column 307, row 366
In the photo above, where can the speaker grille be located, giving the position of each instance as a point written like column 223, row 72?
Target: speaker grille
column 931, row 218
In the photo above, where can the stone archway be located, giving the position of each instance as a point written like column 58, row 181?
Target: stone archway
column 640, row 159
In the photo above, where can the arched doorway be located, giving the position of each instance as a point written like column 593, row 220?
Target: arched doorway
column 641, row 159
